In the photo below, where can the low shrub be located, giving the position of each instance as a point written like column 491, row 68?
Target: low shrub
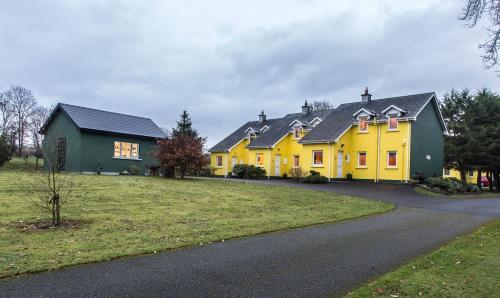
column 284, row 176
column 254, row 172
column 450, row 185
column 348, row 177
column 248, row 171
column 240, row 171
column 315, row 178
column 296, row 174
column 206, row 171
column 134, row 170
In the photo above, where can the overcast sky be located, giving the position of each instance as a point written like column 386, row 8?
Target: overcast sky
column 224, row 61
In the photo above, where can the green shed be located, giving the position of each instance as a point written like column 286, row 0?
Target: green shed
column 80, row 139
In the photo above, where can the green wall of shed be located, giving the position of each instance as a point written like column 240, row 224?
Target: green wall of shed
column 85, row 150
column 427, row 139
column 62, row 126
column 99, row 149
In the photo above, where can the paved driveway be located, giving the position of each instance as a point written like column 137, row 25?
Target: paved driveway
column 315, row 261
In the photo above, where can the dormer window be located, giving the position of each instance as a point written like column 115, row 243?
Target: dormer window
column 296, row 132
column 264, row 129
column 393, row 121
column 363, row 124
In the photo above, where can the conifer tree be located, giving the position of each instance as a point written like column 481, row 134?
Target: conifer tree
column 184, row 126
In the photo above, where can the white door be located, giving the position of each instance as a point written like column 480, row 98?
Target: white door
column 277, row 165
column 339, row 164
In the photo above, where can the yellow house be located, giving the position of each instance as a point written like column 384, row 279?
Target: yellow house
column 380, row 139
column 470, row 176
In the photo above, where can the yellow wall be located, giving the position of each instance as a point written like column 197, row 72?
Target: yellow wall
column 349, row 144
column 456, row 174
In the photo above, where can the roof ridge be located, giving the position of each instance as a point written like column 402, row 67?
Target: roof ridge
column 122, row 114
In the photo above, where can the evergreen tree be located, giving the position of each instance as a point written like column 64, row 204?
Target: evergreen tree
column 5, row 151
column 184, row 126
column 454, row 108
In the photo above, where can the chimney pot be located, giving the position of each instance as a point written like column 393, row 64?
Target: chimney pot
column 306, row 108
column 366, row 97
column 262, row 117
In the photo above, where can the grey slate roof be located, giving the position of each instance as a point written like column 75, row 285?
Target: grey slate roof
column 335, row 121
column 341, row 118
column 108, row 122
column 278, row 128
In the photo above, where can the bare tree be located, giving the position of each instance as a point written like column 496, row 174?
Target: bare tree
column 472, row 13
column 321, row 105
column 23, row 103
column 6, row 114
column 37, row 119
column 54, row 186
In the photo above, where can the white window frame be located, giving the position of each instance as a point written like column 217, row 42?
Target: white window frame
column 293, row 162
column 389, row 122
column 296, row 130
column 217, row 157
column 257, row 160
column 124, row 157
column 359, row 124
column 444, row 172
column 322, row 158
column 366, row 159
column 387, row 162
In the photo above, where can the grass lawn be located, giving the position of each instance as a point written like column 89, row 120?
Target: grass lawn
column 468, row 267
column 484, row 194
column 130, row 215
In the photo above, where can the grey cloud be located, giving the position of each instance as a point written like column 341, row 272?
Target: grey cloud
column 139, row 58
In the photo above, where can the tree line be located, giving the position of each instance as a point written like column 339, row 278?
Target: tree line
column 473, row 141
column 21, row 117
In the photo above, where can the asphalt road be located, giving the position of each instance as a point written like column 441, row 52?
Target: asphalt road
column 322, row 260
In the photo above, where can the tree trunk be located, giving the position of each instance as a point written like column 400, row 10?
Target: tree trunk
column 478, row 181
column 36, row 163
column 489, row 176
column 53, row 212
column 497, row 180
column 57, row 204
column 462, row 176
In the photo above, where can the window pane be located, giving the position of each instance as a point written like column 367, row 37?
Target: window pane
column 135, row 151
column 296, row 161
column 259, row 159
column 393, row 122
column 219, row 161
column 125, row 150
column 363, row 124
column 117, row 149
column 296, row 132
column 362, row 159
column 392, row 159
column 318, row 157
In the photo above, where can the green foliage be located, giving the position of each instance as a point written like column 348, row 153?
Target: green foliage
column 5, row 151
column 348, row 177
column 284, row 176
column 134, row 170
column 184, row 126
column 296, row 174
column 248, row 171
column 254, row 172
column 240, row 170
column 473, row 121
column 450, row 185
column 315, row 178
